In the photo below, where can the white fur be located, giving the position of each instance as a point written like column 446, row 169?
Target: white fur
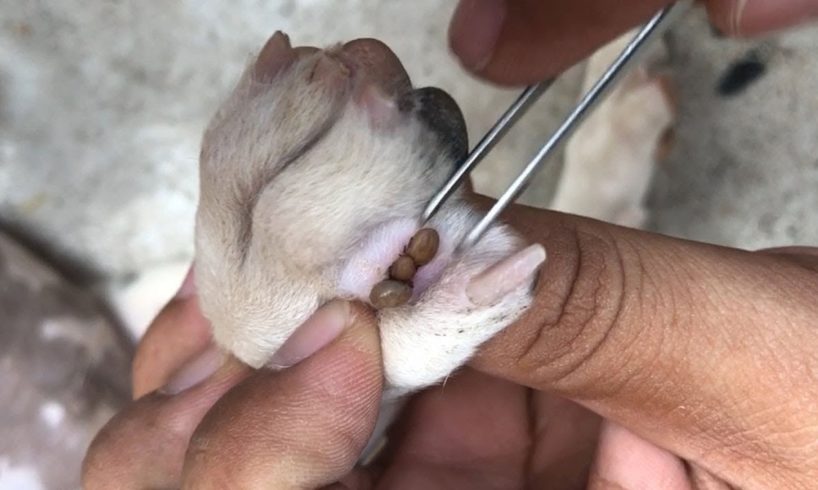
column 424, row 342
column 311, row 219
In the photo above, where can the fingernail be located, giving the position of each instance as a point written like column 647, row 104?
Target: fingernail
column 324, row 326
column 188, row 287
column 496, row 282
column 757, row 16
column 475, row 30
column 736, row 14
column 195, row 371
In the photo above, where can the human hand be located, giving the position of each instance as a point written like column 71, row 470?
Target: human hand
column 706, row 355
column 700, row 358
column 227, row 427
column 203, row 420
column 213, row 423
column 526, row 41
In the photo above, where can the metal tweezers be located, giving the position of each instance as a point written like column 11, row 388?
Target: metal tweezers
column 650, row 31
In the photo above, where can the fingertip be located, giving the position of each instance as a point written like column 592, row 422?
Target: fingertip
column 363, row 330
column 178, row 334
column 502, row 41
column 625, row 460
column 188, row 286
column 741, row 18
column 320, row 329
column 726, row 15
column 806, row 257
column 515, row 43
column 474, row 31
column 195, row 371
column 315, row 417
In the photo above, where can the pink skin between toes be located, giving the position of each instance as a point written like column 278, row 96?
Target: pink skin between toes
column 369, row 263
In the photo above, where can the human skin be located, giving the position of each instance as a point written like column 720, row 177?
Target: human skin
column 513, row 42
column 645, row 361
column 700, row 359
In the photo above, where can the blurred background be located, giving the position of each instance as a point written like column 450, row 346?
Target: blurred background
column 102, row 106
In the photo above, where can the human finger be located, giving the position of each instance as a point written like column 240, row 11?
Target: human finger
column 177, row 335
column 303, row 427
column 691, row 346
column 514, row 42
column 752, row 17
column 144, row 445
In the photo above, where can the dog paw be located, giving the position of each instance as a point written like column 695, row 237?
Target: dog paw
column 314, row 174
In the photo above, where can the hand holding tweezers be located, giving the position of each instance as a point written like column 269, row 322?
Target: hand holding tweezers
column 650, row 31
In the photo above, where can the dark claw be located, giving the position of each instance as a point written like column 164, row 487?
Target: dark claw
column 442, row 115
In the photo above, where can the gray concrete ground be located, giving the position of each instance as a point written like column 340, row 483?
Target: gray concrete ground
column 745, row 171
column 102, row 105
column 63, row 373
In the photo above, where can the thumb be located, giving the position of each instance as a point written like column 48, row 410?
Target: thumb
column 303, row 427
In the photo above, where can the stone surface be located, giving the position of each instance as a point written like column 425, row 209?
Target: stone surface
column 745, row 169
column 63, row 373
